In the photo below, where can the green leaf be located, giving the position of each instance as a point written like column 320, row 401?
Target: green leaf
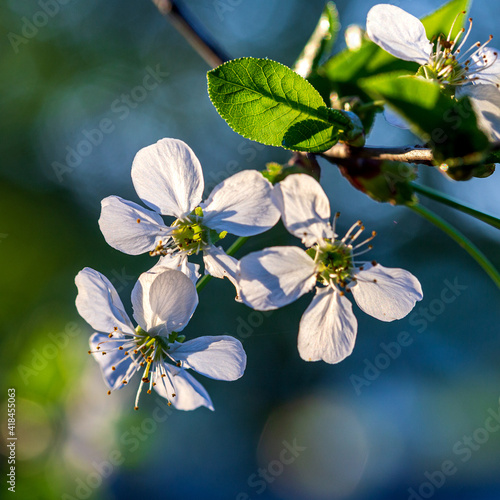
column 448, row 125
column 310, row 135
column 262, row 100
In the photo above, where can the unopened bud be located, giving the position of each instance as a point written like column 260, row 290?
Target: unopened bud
column 355, row 134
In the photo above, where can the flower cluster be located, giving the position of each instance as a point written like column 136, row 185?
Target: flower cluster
column 472, row 71
column 168, row 179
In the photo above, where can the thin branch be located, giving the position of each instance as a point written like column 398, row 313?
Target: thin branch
column 192, row 32
column 459, row 238
column 342, row 151
column 458, row 205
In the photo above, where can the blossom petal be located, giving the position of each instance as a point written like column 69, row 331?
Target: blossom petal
column 399, row 33
column 189, row 393
column 241, row 205
column 221, row 265
column 485, row 100
column 305, row 209
column 275, row 277
column 164, row 302
column 177, row 262
column 487, row 63
column 395, row 119
column 386, row 293
column 99, row 304
column 168, row 177
column 124, row 366
column 220, row 358
column 328, row 328
column 130, row 228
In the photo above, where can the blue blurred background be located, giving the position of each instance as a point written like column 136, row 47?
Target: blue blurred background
column 423, row 423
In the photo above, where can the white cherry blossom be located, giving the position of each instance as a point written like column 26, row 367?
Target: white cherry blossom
column 163, row 301
column 169, row 180
column 277, row 276
column 473, row 72
column 403, row 36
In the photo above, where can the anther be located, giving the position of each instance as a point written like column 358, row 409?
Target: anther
column 109, row 393
column 374, row 262
column 124, row 382
column 145, row 380
column 113, row 368
column 148, row 391
column 136, row 407
column 110, row 335
column 120, row 348
column 138, row 220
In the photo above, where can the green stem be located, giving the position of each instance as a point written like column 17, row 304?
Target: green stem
column 369, row 106
column 231, row 251
column 237, row 245
column 459, row 238
column 446, row 200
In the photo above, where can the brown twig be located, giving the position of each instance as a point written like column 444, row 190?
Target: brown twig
column 341, row 152
column 186, row 26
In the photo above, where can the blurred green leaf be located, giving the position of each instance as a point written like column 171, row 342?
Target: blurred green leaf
column 262, row 100
column 321, row 41
column 448, row 125
column 440, row 21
